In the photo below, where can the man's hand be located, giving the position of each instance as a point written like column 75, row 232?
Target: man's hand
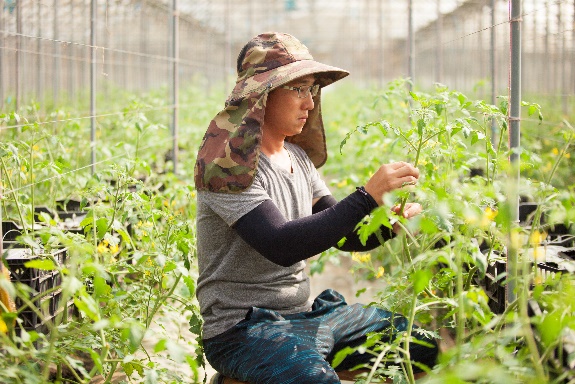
column 390, row 177
column 409, row 210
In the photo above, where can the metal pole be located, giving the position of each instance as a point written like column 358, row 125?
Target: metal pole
column 514, row 134
column 411, row 43
column 439, row 44
column 479, row 57
column 175, row 55
column 493, row 71
column 144, row 80
column 56, row 67
column 546, row 57
column 2, row 28
column 72, row 50
column 39, row 90
column 537, row 57
column 380, row 50
column 93, row 17
column 572, row 49
column 563, row 59
column 18, row 52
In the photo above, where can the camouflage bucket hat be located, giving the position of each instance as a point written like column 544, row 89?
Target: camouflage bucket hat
column 228, row 155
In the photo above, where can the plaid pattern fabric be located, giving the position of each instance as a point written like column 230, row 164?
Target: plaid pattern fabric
column 267, row 347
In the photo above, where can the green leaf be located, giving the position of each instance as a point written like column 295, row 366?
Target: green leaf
column 97, row 360
column 43, row 264
column 88, row 306
column 191, row 284
column 360, row 291
column 160, row 346
column 134, row 334
column 420, row 280
column 373, row 224
column 427, row 225
column 102, row 227
column 101, row 288
column 341, row 355
column 170, row 266
column 420, row 126
column 195, row 324
column 128, row 368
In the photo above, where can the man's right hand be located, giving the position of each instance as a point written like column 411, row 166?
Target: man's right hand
column 390, row 177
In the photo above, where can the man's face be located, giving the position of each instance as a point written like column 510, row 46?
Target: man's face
column 286, row 113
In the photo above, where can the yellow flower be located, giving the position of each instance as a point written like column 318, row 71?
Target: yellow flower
column 150, row 262
column 3, row 326
column 342, row 183
column 361, row 258
column 567, row 155
column 35, row 147
column 380, row 272
column 488, row 216
column 537, row 238
column 147, row 273
column 114, row 248
column 102, row 248
column 555, row 151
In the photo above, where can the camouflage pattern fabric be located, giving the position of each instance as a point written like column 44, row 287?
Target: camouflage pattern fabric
column 228, row 155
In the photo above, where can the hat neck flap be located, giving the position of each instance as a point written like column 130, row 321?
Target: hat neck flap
column 229, row 152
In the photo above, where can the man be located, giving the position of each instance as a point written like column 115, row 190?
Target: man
column 263, row 210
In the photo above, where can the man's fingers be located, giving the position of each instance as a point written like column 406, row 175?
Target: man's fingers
column 412, row 209
column 409, row 210
column 406, row 169
column 398, row 164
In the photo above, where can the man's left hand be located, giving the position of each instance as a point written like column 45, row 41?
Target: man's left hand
column 409, row 210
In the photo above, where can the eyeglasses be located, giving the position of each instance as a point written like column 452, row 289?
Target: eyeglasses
column 304, row 90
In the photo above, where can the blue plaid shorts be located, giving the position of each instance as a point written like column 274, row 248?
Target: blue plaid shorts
column 271, row 348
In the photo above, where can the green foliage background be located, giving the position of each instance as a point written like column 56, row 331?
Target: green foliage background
column 132, row 264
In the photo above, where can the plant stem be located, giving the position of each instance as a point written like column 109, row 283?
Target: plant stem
column 376, row 363
column 161, row 299
column 461, row 304
column 408, row 336
column 15, row 197
column 32, row 185
column 415, row 163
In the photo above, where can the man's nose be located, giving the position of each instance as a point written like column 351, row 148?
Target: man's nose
column 308, row 102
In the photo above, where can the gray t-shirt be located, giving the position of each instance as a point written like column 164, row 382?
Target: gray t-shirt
column 234, row 277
